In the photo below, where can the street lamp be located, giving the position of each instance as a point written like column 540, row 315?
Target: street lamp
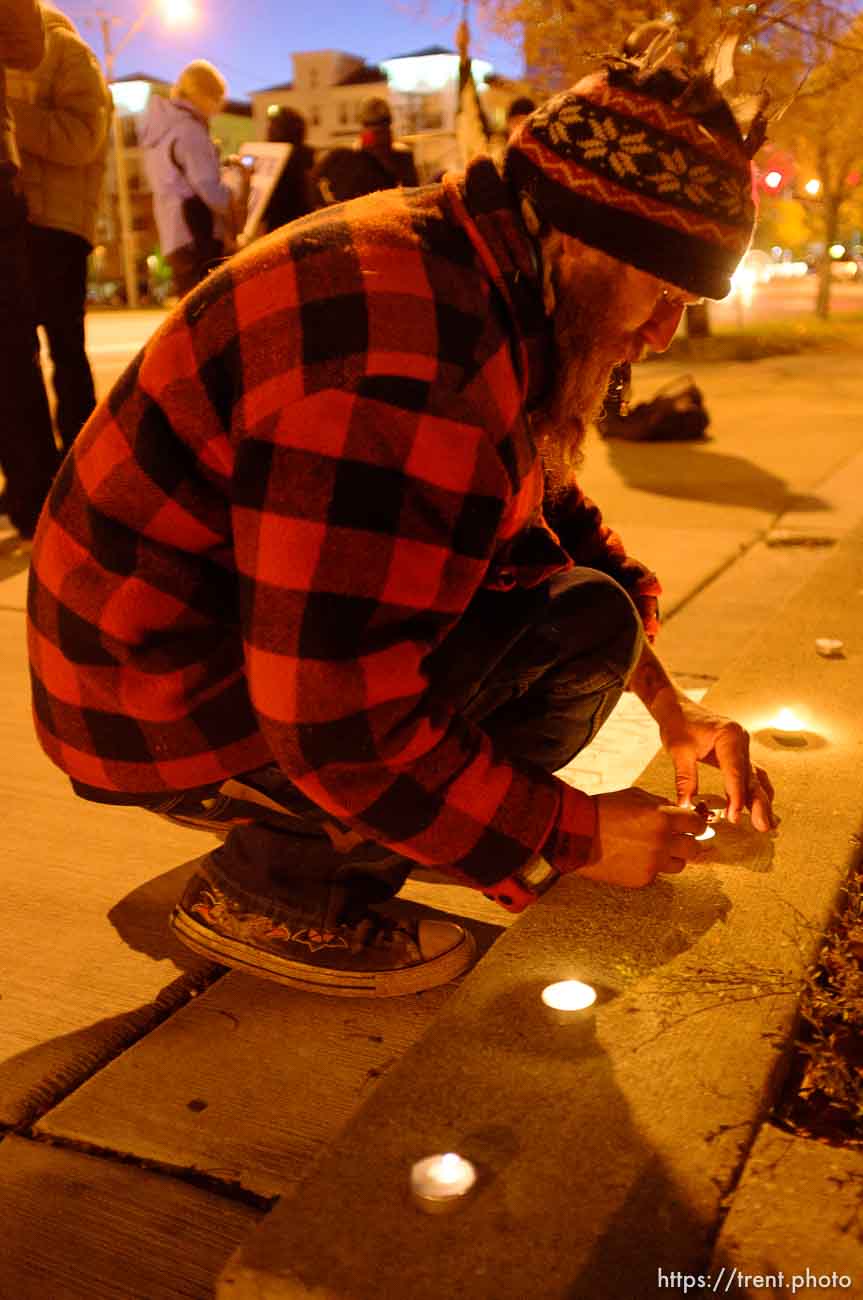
column 174, row 13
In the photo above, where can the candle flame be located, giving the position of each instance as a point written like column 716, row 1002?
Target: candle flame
column 787, row 720
column 569, row 995
column 449, row 1168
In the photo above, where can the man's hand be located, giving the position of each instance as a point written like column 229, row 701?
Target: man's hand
column 692, row 734
column 638, row 836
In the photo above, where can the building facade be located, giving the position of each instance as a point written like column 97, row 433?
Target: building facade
column 328, row 88
column 421, row 87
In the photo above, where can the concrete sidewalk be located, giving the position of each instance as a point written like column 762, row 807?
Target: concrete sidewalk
column 174, row 1102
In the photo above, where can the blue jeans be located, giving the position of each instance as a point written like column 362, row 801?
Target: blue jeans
column 539, row 669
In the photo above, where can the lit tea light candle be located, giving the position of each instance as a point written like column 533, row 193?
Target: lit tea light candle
column 787, row 728
column 441, row 1182
column 569, row 995
column 571, row 1003
column 787, row 720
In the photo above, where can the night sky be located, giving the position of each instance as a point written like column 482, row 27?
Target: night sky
column 251, row 41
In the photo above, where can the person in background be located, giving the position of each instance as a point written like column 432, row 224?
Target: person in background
column 62, row 111
column 191, row 202
column 376, row 162
column 319, row 574
column 28, row 454
column 294, row 192
column 518, row 110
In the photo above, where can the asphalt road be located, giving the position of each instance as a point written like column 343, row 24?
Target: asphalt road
column 781, row 299
column 113, row 337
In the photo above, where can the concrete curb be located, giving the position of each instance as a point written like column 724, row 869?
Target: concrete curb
column 772, row 1232
column 605, row 1148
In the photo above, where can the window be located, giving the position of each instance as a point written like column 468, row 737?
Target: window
column 313, row 78
column 315, row 116
column 343, row 114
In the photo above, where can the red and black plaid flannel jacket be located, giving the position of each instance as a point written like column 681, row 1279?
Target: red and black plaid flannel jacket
column 287, row 501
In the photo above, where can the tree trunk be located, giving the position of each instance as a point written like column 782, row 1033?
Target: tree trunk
column 831, row 229
column 698, row 322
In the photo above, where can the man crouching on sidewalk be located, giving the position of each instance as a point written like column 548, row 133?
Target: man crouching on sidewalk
column 317, row 574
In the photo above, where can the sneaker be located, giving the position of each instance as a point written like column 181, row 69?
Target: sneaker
column 16, row 546
column 373, row 955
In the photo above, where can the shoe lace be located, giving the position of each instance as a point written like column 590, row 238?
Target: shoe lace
column 369, row 929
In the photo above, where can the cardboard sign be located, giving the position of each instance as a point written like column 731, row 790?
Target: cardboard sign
column 265, row 162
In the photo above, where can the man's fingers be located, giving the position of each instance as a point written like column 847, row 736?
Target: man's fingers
column 686, row 847
column 732, row 752
column 683, row 821
column 680, row 848
column 765, row 781
column 685, row 775
column 761, row 802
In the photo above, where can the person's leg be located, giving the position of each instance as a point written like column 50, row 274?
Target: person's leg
column 59, row 266
column 287, row 898
column 185, row 269
column 192, row 263
column 290, row 888
column 542, row 669
column 28, row 454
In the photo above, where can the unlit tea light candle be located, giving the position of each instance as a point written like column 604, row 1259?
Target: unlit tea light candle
column 441, row 1182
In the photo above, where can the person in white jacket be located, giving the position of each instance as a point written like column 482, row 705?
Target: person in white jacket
column 190, row 200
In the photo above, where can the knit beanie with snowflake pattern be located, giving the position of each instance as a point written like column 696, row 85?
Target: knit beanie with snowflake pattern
column 648, row 165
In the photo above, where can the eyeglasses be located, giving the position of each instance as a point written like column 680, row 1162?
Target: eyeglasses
column 677, row 301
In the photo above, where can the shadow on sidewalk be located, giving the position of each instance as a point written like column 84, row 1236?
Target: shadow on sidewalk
column 696, row 472
column 141, row 918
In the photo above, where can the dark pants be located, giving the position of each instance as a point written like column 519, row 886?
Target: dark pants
column 539, row 670
column 58, row 266
column 28, row 455
column 192, row 263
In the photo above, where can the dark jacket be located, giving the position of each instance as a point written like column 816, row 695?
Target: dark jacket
column 294, row 192
column 345, row 173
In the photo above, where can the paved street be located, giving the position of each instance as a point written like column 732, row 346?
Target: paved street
column 113, row 337
column 781, row 299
